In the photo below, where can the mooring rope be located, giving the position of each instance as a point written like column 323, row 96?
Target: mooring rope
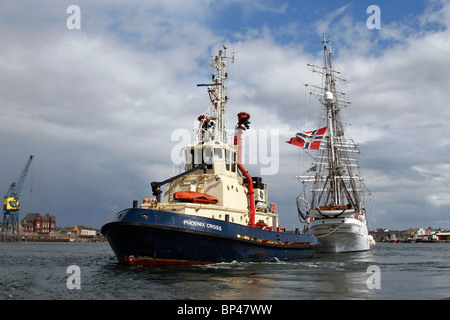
column 332, row 231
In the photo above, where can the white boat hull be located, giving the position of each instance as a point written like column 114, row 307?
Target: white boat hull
column 341, row 234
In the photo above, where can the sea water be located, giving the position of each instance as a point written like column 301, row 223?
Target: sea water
column 42, row 270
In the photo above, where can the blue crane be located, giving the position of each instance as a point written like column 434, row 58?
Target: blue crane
column 11, row 206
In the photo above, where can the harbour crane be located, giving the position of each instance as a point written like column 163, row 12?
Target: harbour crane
column 11, row 206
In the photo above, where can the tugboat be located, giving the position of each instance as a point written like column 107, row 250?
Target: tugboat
column 214, row 211
column 334, row 198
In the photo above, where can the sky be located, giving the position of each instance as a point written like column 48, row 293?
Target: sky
column 98, row 105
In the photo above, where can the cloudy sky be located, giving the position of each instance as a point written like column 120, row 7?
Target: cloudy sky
column 97, row 106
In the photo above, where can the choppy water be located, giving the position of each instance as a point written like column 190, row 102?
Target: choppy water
column 33, row 270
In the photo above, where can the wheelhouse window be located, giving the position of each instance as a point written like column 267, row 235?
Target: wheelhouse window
column 230, row 160
column 218, row 154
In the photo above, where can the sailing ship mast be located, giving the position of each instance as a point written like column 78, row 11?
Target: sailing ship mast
column 336, row 182
column 335, row 208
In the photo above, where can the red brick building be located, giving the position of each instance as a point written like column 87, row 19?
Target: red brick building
column 34, row 222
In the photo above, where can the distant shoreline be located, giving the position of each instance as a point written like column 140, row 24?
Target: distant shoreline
column 56, row 239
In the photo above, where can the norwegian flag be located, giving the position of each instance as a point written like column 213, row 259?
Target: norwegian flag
column 310, row 139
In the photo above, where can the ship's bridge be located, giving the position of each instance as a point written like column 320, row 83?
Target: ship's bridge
column 220, row 157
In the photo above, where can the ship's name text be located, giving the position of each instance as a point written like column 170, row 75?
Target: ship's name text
column 193, row 223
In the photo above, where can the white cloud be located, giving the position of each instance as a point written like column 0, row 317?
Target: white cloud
column 436, row 185
column 93, row 107
column 98, row 105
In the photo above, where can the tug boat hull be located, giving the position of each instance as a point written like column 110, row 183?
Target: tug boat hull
column 157, row 238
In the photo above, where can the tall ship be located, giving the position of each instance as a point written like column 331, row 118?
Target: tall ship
column 334, row 199
column 214, row 211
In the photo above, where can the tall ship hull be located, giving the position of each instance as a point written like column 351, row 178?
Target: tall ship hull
column 214, row 211
column 334, row 200
column 341, row 235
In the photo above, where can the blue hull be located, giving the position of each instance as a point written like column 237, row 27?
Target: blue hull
column 150, row 237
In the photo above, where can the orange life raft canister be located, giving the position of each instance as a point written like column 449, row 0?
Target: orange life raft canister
column 195, row 197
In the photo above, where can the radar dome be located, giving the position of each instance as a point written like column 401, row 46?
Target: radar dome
column 328, row 96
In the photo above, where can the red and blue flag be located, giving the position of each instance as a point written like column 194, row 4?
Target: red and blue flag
column 310, row 139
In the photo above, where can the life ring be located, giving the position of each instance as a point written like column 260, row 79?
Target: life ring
column 273, row 208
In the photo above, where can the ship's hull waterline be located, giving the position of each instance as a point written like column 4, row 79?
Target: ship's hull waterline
column 158, row 238
column 341, row 234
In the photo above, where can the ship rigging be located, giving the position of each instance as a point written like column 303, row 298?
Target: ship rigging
column 334, row 198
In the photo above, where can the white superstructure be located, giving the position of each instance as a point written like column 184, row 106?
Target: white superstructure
column 221, row 189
